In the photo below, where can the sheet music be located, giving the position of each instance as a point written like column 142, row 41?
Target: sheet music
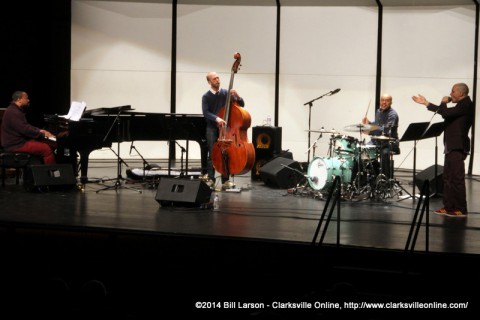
column 76, row 111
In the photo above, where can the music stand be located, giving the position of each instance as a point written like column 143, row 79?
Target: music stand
column 415, row 132
column 434, row 131
column 118, row 180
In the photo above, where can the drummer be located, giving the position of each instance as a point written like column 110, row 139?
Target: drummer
column 386, row 118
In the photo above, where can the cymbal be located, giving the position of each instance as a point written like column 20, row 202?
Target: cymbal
column 325, row 131
column 382, row 138
column 360, row 127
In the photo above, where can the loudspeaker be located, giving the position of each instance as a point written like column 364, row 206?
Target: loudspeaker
column 429, row 174
column 267, row 142
column 55, row 176
column 276, row 174
column 267, row 138
column 182, row 192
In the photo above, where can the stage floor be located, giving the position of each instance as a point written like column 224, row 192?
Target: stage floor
column 256, row 212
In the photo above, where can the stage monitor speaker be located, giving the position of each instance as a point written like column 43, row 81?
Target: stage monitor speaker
column 182, row 192
column 276, row 174
column 429, row 174
column 51, row 176
column 267, row 142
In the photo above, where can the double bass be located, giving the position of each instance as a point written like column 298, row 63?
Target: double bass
column 232, row 153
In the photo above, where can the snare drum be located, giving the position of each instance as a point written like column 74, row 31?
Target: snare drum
column 322, row 171
column 368, row 152
column 345, row 146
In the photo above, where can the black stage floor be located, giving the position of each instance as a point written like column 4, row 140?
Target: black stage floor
column 256, row 248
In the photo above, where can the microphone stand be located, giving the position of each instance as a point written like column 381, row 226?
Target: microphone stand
column 181, row 158
column 145, row 163
column 310, row 105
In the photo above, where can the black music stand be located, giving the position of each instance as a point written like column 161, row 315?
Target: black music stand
column 415, row 132
column 435, row 130
column 119, row 179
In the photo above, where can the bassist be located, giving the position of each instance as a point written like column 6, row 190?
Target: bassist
column 212, row 101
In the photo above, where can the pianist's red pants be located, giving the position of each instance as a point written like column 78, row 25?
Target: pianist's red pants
column 38, row 148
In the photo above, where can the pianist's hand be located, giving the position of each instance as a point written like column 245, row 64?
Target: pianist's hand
column 46, row 134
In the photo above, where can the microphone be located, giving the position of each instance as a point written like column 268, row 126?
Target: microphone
column 449, row 99
column 131, row 147
column 334, row 91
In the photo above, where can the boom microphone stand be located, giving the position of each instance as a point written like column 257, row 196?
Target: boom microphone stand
column 310, row 105
column 144, row 162
column 181, row 158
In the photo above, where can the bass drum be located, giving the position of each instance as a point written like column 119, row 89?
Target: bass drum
column 322, row 171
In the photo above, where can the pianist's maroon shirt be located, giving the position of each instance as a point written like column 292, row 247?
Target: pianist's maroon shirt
column 15, row 128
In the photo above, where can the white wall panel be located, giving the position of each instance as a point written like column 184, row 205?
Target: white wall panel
column 425, row 51
column 121, row 54
column 322, row 49
column 208, row 37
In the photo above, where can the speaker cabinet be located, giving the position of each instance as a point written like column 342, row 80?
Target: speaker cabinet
column 267, row 142
column 429, row 174
column 276, row 174
column 182, row 192
column 55, row 176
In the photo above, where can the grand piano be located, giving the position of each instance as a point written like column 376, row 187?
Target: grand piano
column 100, row 128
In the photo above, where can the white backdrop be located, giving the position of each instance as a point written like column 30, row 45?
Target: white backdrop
column 121, row 54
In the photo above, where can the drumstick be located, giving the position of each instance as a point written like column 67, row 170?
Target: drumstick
column 366, row 113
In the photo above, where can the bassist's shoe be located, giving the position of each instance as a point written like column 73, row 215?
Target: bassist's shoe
column 228, row 185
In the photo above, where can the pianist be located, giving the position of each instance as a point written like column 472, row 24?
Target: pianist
column 20, row 136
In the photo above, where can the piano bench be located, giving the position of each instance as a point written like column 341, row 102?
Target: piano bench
column 13, row 160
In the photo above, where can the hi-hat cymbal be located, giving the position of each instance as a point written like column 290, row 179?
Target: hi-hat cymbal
column 360, row 127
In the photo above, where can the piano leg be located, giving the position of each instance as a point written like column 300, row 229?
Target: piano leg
column 84, row 154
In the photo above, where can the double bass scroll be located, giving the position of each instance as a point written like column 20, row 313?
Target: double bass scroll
column 232, row 153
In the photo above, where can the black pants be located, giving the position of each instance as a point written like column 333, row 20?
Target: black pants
column 454, row 193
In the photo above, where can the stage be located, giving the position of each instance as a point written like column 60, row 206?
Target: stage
column 257, row 247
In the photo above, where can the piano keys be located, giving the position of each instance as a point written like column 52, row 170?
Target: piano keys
column 99, row 128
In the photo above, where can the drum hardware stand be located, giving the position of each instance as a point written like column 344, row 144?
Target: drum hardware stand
column 314, row 145
column 310, row 105
column 331, row 146
column 395, row 187
column 119, row 179
column 357, row 188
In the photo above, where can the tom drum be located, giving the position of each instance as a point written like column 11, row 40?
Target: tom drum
column 345, row 146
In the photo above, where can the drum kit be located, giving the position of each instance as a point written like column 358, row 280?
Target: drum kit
column 357, row 164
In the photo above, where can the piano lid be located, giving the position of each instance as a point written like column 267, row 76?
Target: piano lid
column 110, row 110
